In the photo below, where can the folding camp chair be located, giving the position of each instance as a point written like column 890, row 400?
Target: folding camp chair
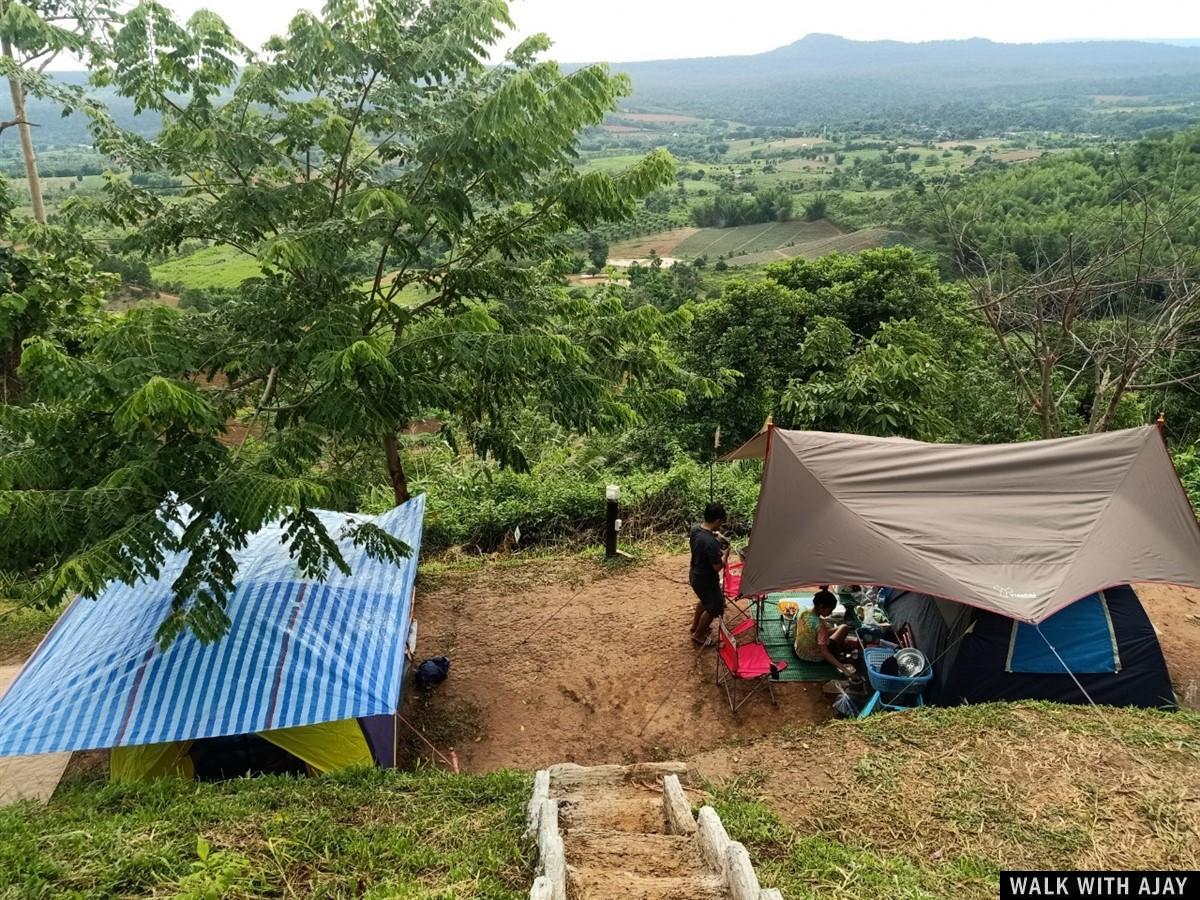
column 747, row 662
column 731, row 586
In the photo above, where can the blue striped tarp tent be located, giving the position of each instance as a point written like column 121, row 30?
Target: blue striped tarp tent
column 298, row 652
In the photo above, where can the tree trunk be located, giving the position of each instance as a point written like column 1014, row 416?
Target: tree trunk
column 395, row 470
column 31, row 169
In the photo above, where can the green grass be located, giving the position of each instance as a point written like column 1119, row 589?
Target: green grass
column 808, row 867
column 935, row 802
column 364, row 833
column 57, row 186
column 211, row 267
column 21, row 629
column 611, row 164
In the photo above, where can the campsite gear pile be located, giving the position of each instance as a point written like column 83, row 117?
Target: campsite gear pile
column 1008, row 552
column 900, row 691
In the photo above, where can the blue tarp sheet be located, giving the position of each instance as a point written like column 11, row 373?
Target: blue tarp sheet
column 298, row 652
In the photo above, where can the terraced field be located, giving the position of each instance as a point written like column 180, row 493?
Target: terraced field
column 730, row 242
column 853, row 242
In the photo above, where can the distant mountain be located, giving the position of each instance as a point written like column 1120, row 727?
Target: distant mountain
column 827, row 78
column 959, row 88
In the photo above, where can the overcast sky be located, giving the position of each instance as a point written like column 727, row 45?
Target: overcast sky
column 619, row 30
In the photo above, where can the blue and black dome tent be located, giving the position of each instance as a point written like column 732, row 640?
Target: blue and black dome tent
column 1101, row 648
column 313, row 668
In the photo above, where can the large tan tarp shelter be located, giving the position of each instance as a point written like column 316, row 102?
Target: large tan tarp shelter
column 1019, row 529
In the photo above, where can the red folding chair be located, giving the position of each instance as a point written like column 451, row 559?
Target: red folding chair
column 731, row 587
column 731, row 581
column 746, row 662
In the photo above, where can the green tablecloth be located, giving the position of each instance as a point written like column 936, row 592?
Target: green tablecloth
column 780, row 647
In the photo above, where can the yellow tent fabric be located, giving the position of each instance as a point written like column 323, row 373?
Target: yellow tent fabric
column 325, row 746
column 146, row 761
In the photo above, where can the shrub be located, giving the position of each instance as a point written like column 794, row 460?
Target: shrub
column 475, row 505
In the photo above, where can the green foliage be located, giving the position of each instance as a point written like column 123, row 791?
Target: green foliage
column 22, row 628
column 873, row 342
column 130, row 271
column 597, row 251
column 382, row 833
column 664, row 287
column 47, row 289
column 816, row 208
column 214, row 875
column 1187, row 463
column 374, row 140
column 895, row 383
column 728, row 209
column 475, row 505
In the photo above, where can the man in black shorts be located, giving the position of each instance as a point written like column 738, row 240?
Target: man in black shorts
column 708, row 559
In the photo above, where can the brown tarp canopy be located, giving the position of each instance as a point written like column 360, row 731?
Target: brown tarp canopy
column 1020, row 529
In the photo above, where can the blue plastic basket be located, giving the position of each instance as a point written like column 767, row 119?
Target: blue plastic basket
column 911, row 686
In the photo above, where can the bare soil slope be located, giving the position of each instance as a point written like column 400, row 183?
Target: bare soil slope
column 561, row 660
column 558, row 662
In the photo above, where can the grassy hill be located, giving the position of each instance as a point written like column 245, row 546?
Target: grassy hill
column 935, row 803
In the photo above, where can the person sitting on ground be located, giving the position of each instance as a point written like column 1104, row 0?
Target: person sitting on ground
column 815, row 640
column 708, row 559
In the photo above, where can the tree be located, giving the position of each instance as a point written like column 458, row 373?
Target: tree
column 894, row 384
column 47, row 289
column 32, row 35
column 1091, row 310
column 376, row 127
column 597, row 251
column 873, row 342
column 816, row 209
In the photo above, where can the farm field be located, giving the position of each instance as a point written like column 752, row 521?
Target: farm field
column 658, row 118
column 748, row 145
column 851, row 242
column 715, row 242
column 211, row 267
column 745, row 245
column 662, row 243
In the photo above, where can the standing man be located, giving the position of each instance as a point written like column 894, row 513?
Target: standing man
column 708, row 559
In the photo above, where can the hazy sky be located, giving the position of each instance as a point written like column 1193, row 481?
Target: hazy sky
column 618, row 30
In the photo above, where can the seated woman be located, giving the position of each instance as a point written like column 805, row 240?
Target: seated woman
column 815, row 640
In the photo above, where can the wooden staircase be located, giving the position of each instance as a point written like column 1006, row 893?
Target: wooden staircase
column 627, row 832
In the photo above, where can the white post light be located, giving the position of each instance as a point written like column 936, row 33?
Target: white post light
column 612, row 494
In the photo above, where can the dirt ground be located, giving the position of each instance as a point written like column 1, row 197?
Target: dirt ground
column 557, row 661
column 1175, row 612
column 661, row 244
